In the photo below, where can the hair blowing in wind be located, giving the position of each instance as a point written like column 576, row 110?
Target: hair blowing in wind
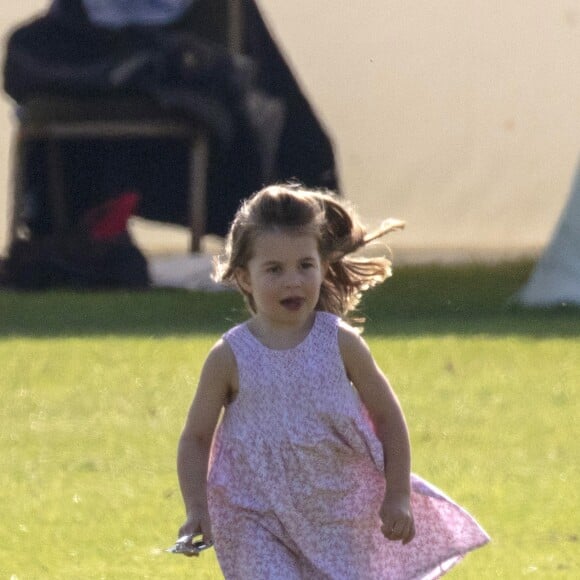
column 335, row 224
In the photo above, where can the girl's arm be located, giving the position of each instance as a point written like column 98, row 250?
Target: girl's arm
column 195, row 442
column 391, row 428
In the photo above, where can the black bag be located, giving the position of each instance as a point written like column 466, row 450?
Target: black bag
column 75, row 261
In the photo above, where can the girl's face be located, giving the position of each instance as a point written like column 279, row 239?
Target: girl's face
column 284, row 277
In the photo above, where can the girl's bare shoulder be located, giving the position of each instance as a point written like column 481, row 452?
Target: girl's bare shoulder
column 350, row 339
column 354, row 351
column 220, row 358
column 218, row 381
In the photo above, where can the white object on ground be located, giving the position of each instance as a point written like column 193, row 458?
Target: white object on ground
column 193, row 272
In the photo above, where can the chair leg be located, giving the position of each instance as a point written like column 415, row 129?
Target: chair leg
column 56, row 185
column 198, row 168
column 19, row 154
column 236, row 26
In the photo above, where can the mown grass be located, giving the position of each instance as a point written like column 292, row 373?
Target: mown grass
column 94, row 388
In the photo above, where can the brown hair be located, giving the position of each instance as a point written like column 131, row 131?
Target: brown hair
column 291, row 208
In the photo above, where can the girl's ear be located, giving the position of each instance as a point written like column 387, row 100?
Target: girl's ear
column 242, row 277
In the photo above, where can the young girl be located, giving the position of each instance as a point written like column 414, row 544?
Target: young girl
column 309, row 471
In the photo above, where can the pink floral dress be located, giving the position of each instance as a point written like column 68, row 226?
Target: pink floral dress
column 296, row 476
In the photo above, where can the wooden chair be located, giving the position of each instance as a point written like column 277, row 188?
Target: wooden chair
column 55, row 120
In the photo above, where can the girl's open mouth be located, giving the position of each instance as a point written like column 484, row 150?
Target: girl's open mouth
column 292, row 303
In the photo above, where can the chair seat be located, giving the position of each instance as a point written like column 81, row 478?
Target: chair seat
column 107, row 117
column 113, row 108
column 56, row 118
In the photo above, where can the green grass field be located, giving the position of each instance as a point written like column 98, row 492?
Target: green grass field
column 95, row 386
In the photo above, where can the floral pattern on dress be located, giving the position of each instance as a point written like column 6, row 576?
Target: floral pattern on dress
column 296, row 476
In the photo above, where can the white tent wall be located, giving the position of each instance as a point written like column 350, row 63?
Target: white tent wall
column 462, row 118
column 555, row 280
column 11, row 15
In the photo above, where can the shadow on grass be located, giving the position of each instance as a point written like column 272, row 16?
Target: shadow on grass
column 425, row 300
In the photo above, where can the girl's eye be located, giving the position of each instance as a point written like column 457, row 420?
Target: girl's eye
column 273, row 269
column 306, row 265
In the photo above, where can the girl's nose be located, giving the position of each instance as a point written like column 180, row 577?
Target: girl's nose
column 293, row 279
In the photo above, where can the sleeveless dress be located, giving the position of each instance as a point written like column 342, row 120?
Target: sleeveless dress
column 296, row 476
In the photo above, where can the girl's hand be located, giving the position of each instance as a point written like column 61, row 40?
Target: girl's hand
column 197, row 523
column 397, row 517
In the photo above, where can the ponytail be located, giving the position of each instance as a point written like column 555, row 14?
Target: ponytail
column 340, row 234
column 349, row 276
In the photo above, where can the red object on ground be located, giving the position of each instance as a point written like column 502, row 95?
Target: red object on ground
column 108, row 220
